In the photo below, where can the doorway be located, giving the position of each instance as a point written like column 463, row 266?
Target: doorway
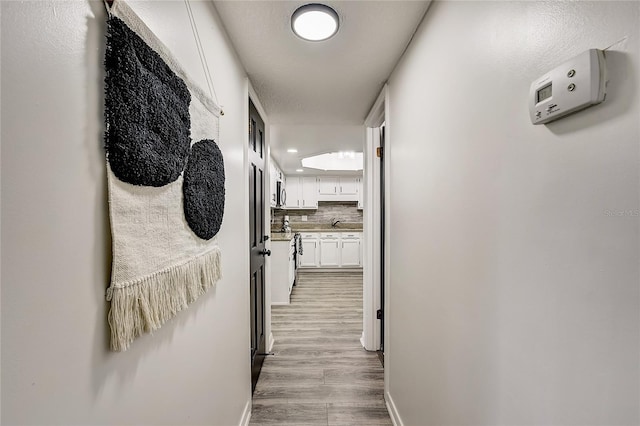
column 257, row 240
column 376, row 256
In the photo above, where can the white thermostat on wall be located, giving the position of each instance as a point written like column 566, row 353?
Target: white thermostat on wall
column 577, row 84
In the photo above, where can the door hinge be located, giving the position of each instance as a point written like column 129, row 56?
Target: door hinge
column 379, row 314
column 379, row 152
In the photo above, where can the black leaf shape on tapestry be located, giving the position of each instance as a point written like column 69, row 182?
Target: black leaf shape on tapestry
column 146, row 109
column 203, row 189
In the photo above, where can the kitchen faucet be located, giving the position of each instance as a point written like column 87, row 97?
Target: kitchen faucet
column 334, row 222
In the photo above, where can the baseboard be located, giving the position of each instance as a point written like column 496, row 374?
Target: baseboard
column 280, row 303
column 271, row 342
column 393, row 411
column 246, row 414
column 337, row 269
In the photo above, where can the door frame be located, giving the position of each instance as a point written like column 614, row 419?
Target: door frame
column 250, row 93
column 371, row 228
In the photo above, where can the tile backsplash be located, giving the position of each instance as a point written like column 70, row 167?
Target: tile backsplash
column 327, row 210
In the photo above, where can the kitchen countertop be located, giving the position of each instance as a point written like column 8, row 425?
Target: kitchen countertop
column 276, row 235
column 282, row 236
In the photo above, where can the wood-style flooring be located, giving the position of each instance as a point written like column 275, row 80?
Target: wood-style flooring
column 319, row 373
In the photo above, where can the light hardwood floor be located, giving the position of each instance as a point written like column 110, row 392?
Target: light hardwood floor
column 319, row 373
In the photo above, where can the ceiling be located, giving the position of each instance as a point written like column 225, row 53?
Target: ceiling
column 333, row 82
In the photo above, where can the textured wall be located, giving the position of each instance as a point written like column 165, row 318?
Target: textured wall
column 56, row 365
column 327, row 210
column 514, row 248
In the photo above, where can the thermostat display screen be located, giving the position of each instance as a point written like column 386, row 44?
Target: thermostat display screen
column 544, row 93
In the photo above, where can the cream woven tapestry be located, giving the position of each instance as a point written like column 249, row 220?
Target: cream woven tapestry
column 165, row 177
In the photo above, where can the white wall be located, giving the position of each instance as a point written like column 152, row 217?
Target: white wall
column 514, row 294
column 56, row 366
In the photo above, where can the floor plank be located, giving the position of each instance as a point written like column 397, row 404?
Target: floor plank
column 352, row 414
column 319, row 373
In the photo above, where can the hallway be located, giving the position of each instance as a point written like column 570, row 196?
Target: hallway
column 319, row 373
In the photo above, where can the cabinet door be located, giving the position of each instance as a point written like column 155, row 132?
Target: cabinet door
column 292, row 270
column 272, row 184
column 309, row 258
column 328, row 185
column 309, row 192
column 348, row 186
column 360, row 194
column 292, row 186
column 351, row 252
column 330, row 252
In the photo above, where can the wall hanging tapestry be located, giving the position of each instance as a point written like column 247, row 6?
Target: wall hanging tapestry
column 165, row 177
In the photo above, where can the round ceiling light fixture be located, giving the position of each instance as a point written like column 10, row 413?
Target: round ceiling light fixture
column 315, row 22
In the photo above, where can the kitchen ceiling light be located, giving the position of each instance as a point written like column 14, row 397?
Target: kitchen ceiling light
column 315, row 22
column 353, row 161
column 299, row 170
column 292, row 150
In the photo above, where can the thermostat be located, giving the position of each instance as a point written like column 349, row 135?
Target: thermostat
column 577, row 84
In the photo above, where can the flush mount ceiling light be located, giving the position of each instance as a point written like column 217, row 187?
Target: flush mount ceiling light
column 292, row 150
column 315, row 22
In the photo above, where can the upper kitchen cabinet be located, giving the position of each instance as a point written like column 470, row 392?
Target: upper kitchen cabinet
column 360, row 194
column 343, row 188
column 275, row 175
column 302, row 192
column 328, row 186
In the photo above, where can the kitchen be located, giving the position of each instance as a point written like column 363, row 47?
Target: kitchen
column 316, row 226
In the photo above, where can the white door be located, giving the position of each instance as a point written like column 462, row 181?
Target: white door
column 328, row 185
column 272, row 183
column 309, row 192
column 329, row 252
column 292, row 272
column 351, row 252
column 292, row 186
column 310, row 250
column 348, row 186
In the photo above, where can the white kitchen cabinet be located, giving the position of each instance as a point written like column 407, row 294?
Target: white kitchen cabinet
column 310, row 250
column 302, row 192
column 283, row 272
column 292, row 265
column 360, row 194
column 348, row 186
column 275, row 175
column 330, row 250
column 328, row 185
column 294, row 191
column 272, row 184
column 350, row 252
column 309, row 192
column 332, row 188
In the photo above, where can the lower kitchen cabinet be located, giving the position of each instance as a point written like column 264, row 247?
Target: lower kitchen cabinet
column 283, row 271
column 310, row 251
column 331, row 250
column 350, row 252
